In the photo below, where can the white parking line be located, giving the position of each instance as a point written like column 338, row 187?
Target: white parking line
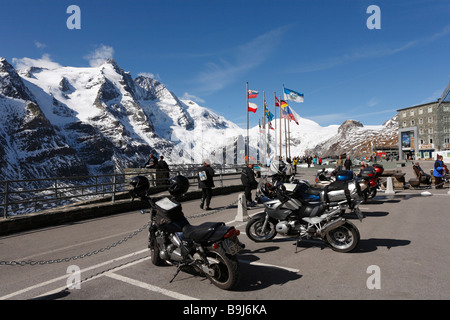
column 150, row 287
column 67, row 275
column 269, row 265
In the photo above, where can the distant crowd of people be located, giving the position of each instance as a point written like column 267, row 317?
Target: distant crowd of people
column 248, row 177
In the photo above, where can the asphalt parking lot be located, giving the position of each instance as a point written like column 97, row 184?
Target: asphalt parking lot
column 403, row 254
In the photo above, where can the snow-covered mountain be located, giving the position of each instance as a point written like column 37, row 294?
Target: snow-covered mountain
column 356, row 140
column 61, row 121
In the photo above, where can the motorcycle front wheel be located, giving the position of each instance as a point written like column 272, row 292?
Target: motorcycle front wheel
column 257, row 232
column 227, row 273
column 154, row 251
column 343, row 238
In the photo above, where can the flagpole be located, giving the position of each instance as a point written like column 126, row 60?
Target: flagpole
column 264, row 148
column 275, row 125
column 247, row 147
column 289, row 136
column 281, row 135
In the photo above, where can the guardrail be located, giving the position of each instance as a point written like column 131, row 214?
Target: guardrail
column 21, row 197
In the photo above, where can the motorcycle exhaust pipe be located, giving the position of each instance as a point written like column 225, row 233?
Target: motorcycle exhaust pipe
column 332, row 225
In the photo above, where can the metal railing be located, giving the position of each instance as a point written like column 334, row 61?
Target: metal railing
column 21, row 197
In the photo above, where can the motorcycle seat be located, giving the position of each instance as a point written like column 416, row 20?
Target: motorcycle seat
column 314, row 191
column 201, row 232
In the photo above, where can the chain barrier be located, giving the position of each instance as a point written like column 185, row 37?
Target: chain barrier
column 128, row 237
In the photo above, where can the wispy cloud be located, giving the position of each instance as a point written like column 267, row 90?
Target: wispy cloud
column 217, row 75
column 39, row 45
column 99, row 55
column 377, row 51
column 188, row 96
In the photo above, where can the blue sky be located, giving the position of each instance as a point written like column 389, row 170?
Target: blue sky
column 208, row 49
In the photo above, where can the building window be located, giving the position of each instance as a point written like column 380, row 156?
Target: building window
column 430, row 109
column 404, row 124
column 404, row 114
column 446, row 108
column 420, row 121
column 411, row 112
column 445, row 118
column 421, row 141
column 430, row 130
column 431, row 140
column 430, row 119
column 413, row 123
column 446, row 140
column 420, row 111
column 420, row 131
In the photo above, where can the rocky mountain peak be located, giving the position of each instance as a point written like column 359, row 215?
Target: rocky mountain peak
column 349, row 125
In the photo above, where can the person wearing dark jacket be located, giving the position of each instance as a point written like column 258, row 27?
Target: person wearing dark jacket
column 162, row 164
column 152, row 162
column 206, row 183
column 249, row 182
column 439, row 172
column 348, row 163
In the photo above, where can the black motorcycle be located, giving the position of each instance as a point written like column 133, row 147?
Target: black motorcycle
column 290, row 214
column 209, row 248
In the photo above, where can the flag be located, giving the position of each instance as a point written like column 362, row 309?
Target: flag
column 293, row 95
column 277, row 102
column 252, row 94
column 293, row 115
column 270, row 126
column 268, row 114
column 284, row 112
column 252, row 107
column 283, row 104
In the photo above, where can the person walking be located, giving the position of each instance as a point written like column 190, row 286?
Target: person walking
column 249, row 182
column 206, row 183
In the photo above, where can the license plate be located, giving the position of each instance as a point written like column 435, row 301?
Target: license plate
column 359, row 214
column 231, row 247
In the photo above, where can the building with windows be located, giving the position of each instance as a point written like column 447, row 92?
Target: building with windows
column 424, row 129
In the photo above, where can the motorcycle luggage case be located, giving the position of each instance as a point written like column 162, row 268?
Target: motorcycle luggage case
column 168, row 211
column 368, row 173
column 335, row 191
column 379, row 169
column 344, row 175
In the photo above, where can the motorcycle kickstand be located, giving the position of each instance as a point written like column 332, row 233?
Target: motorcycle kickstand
column 181, row 265
column 296, row 243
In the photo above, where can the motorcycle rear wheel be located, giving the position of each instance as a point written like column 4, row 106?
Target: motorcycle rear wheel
column 227, row 273
column 344, row 238
column 255, row 232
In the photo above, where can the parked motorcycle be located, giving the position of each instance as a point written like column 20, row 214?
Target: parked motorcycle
column 326, row 176
column 209, row 248
column 289, row 214
column 371, row 176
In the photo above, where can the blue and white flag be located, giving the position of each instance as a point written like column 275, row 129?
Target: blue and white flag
column 292, row 95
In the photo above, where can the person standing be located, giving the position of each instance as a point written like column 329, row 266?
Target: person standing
column 348, row 163
column 206, row 183
column 249, row 182
column 339, row 163
column 438, row 172
column 152, row 162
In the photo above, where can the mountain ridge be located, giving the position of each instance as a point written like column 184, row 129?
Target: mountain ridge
column 92, row 120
